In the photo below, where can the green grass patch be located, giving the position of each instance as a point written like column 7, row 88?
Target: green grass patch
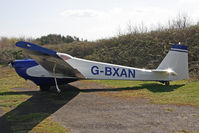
column 49, row 126
column 8, row 80
column 185, row 92
column 16, row 104
column 24, row 123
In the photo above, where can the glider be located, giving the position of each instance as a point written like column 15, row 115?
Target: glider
column 51, row 68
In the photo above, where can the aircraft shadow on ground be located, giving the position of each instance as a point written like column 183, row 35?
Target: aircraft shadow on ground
column 34, row 110
column 153, row 87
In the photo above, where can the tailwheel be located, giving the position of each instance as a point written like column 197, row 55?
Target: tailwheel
column 44, row 87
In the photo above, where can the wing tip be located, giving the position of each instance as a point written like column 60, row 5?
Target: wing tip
column 35, row 48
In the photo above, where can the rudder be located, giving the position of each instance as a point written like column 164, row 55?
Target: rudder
column 176, row 60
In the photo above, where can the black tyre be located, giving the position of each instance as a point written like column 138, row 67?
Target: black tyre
column 44, row 87
column 167, row 83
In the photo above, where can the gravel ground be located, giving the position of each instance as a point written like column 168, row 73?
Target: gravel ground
column 90, row 112
column 87, row 111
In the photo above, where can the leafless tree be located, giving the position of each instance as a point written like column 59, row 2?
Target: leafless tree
column 182, row 21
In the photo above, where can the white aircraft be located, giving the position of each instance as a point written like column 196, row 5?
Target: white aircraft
column 53, row 68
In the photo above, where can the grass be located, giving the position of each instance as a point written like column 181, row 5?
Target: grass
column 12, row 102
column 45, row 126
column 49, row 126
column 9, row 79
column 184, row 92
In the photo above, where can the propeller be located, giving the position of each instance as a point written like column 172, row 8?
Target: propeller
column 11, row 63
column 11, row 60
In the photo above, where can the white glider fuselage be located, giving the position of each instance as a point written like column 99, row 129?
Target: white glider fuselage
column 99, row 70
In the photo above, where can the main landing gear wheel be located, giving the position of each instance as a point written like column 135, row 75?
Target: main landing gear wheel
column 167, row 83
column 44, row 87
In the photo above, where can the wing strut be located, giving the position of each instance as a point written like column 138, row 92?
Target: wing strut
column 54, row 74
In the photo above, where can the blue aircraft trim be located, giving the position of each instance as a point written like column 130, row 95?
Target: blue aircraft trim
column 21, row 67
column 36, row 48
column 179, row 47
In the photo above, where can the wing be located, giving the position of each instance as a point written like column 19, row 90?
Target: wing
column 50, row 60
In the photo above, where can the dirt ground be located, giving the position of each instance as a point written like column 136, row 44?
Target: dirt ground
column 85, row 110
column 90, row 112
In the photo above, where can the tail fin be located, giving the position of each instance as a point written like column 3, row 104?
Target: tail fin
column 177, row 61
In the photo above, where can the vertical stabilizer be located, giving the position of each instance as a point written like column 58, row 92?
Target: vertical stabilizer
column 176, row 60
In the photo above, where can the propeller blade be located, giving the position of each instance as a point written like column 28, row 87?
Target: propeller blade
column 11, row 63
